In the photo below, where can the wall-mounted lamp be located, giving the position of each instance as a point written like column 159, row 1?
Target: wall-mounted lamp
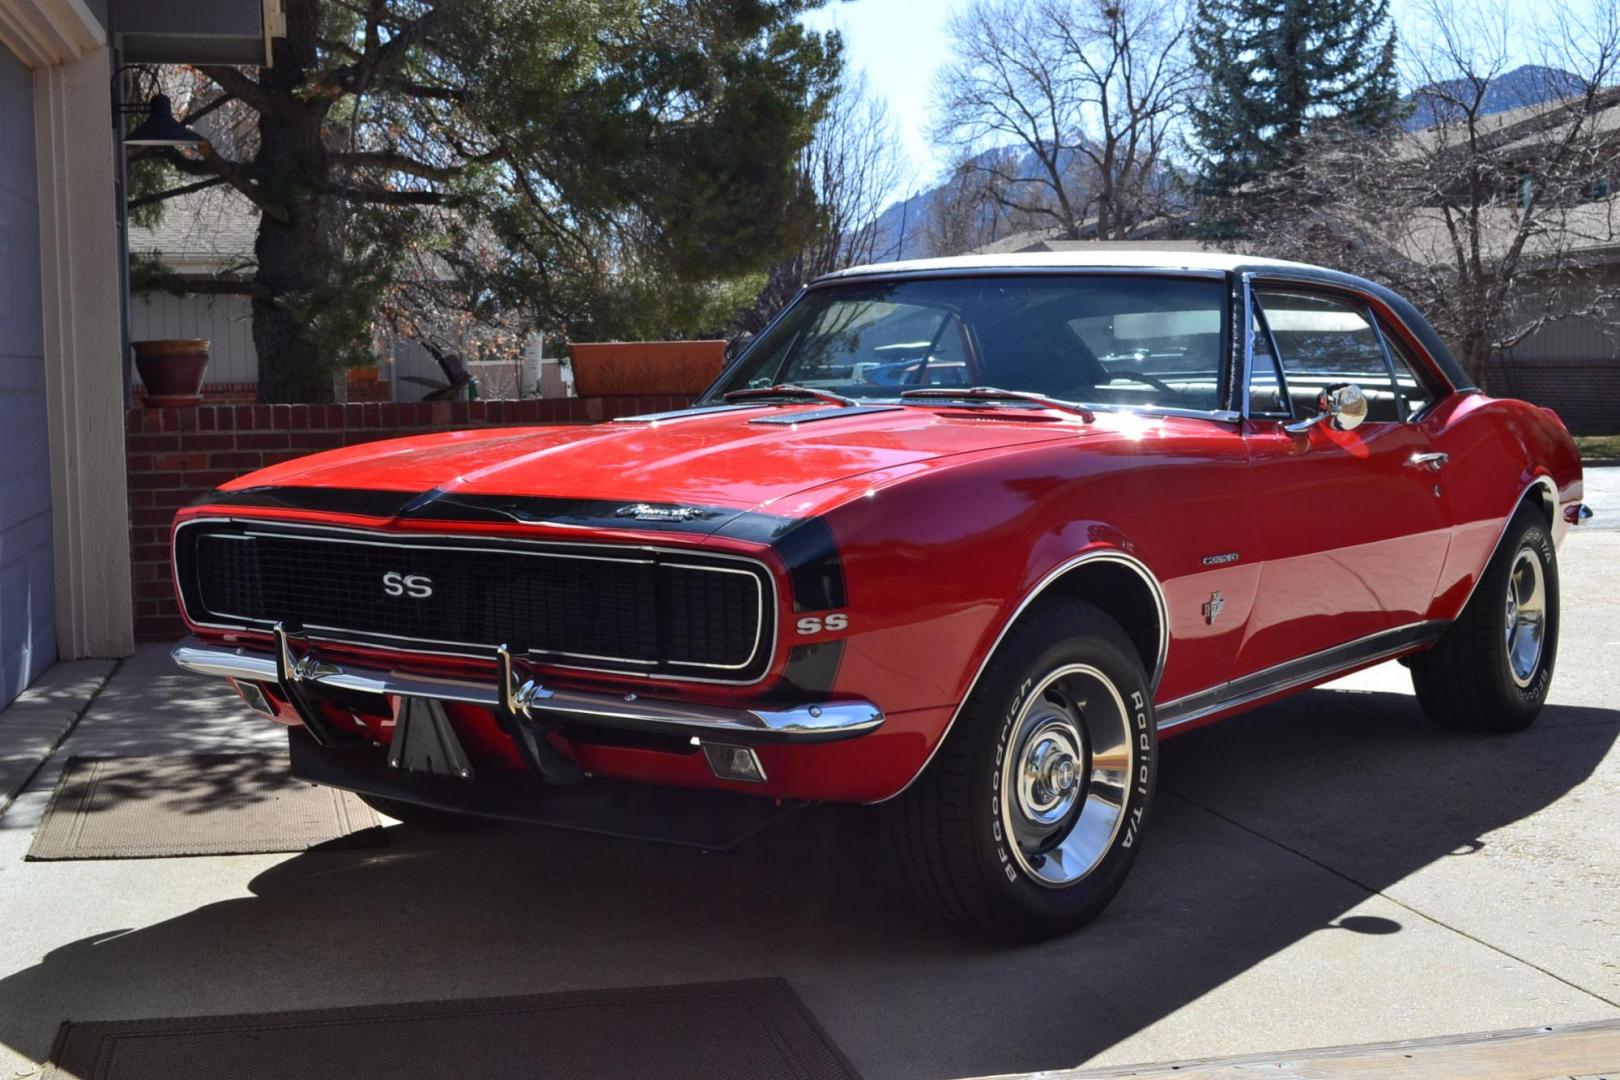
column 157, row 127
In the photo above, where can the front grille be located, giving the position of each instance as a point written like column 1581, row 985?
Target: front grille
column 657, row 612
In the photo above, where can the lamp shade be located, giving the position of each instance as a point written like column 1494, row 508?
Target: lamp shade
column 160, row 128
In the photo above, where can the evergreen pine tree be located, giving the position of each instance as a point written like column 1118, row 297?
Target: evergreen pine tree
column 1272, row 69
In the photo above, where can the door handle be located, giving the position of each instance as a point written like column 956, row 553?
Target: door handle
column 1435, row 461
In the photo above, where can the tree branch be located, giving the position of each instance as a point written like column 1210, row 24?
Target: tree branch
column 184, row 189
column 387, row 197
column 392, row 161
column 238, row 85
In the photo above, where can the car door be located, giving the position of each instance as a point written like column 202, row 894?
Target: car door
column 1351, row 530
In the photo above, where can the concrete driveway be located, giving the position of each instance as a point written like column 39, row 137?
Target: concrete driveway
column 1603, row 496
column 1329, row 870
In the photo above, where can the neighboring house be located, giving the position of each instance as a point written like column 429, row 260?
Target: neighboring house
column 1571, row 365
column 208, row 234
column 64, row 517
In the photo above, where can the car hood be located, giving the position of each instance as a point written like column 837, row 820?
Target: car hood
column 743, row 459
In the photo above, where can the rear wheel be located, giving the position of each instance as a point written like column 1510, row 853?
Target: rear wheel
column 1491, row 670
column 1029, row 817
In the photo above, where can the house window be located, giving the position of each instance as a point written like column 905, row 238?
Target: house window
column 1600, row 188
column 1527, row 190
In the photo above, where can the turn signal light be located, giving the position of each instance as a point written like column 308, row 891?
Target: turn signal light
column 734, row 763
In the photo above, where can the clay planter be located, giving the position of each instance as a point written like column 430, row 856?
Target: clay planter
column 172, row 371
column 622, row 368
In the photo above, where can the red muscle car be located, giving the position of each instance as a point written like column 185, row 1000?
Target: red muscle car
column 963, row 538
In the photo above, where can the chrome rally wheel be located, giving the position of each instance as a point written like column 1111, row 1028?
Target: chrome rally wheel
column 1028, row 819
column 1064, row 777
column 1526, row 615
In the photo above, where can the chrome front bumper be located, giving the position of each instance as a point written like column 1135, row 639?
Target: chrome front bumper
column 306, row 675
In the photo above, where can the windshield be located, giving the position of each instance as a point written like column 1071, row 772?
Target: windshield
column 1098, row 339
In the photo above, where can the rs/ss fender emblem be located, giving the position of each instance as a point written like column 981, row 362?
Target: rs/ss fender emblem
column 416, row 586
column 815, row 624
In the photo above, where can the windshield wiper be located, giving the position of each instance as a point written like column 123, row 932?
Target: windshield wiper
column 995, row 393
column 790, row 392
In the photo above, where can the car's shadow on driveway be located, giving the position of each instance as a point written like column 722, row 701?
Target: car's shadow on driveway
column 521, row 910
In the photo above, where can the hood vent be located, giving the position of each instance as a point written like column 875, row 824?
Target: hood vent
column 837, row 412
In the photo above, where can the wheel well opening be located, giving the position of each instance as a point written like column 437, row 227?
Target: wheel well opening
column 1546, row 501
column 1125, row 596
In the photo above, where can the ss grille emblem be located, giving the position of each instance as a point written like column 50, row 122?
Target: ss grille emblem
column 416, row 586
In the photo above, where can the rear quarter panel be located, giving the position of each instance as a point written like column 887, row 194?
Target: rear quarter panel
column 1498, row 448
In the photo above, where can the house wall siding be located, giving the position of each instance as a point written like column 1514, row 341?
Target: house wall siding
column 27, row 603
column 226, row 322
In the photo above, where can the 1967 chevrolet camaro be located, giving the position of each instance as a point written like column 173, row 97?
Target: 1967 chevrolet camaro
column 964, row 538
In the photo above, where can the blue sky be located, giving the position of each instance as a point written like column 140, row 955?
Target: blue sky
column 900, row 44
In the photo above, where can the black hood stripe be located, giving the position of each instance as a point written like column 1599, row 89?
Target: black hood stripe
column 440, row 505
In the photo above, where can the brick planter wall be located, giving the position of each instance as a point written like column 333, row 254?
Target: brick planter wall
column 177, row 454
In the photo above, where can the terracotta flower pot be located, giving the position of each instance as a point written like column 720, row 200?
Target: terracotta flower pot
column 171, row 371
column 645, row 367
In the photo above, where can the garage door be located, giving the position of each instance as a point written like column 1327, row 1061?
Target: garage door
column 27, row 624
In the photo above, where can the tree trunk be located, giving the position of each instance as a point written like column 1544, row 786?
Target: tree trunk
column 1476, row 357
column 296, row 256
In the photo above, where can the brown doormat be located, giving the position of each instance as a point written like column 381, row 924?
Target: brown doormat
column 701, row 1031
column 216, row 804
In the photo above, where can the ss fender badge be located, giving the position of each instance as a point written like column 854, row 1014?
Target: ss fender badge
column 1222, row 559
column 815, row 624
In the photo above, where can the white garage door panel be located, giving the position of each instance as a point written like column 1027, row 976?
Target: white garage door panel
column 27, row 627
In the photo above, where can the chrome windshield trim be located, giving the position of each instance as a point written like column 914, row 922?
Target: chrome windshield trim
column 810, row 722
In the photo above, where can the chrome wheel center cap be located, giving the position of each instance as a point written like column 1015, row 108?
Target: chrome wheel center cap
column 1060, row 774
column 1049, row 773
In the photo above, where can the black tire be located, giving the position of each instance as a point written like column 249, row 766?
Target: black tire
column 1467, row 681
column 419, row 816
column 951, row 834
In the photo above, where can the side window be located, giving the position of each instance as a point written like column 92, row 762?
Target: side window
column 1325, row 341
column 1409, row 381
column 1266, row 397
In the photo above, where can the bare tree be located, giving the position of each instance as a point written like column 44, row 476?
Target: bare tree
column 1491, row 221
column 853, row 165
column 1089, row 92
column 969, row 210
column 1132, row 78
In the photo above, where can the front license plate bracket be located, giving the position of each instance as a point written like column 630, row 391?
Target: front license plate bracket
column 425, row 741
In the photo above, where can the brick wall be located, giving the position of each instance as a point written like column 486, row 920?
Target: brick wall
column 177, row 454
column 1584, row 393
column 247, row 393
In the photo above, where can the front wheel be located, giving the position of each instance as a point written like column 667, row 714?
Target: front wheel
column 1491, row 670
column 1029, row 817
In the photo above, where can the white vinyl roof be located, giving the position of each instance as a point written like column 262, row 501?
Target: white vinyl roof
column 1103, row 257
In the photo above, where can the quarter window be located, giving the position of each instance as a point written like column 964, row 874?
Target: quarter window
column 1322, row 341
column 1409, row 382
column 1266, row 396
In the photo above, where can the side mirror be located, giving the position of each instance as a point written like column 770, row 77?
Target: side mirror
column 1342, row 404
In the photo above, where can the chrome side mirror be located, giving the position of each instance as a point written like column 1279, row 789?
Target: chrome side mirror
column 1342, row 404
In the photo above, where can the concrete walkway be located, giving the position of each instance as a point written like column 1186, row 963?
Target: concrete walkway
column 1327, row 871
